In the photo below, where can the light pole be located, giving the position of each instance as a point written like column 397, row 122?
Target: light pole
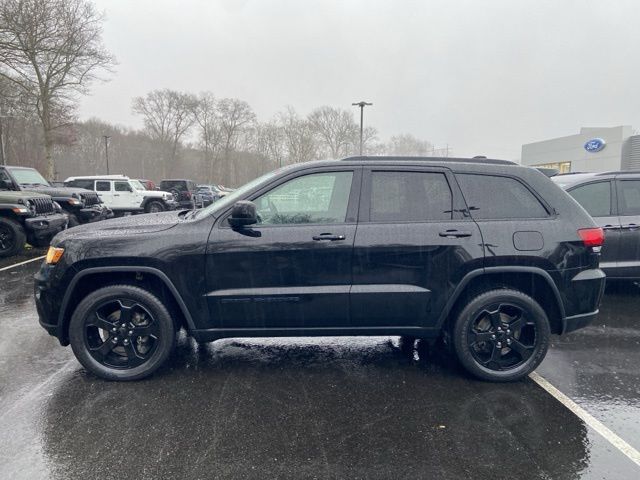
column 361, row 105
column 106, row 150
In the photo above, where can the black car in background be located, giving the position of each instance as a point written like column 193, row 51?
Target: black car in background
column 80, row 205
column 613, row 200
column 185, row 192
column 487, row 255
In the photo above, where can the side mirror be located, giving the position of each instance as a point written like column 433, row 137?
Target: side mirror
column 6, row 185
column 243, row 213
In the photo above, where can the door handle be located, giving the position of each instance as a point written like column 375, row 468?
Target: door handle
column 455, row 234
column 612, row 227
column 116, row 194
column 630, row 226
column 328, row 236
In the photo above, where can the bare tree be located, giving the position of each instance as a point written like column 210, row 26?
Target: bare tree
column 209, row 130
column 407, row 144
column 300, row 140
column 271, row 142
column 335, row 128
column 52, row 49
column 235, row 117
column 168, row 116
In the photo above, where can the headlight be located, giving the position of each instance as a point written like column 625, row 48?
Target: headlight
column 74, row 201
column 57, row 207
column 54, row 254
column 21, row 210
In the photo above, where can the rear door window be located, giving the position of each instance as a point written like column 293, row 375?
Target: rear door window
column 406, row 196
column 491, row 197
column 595, row 198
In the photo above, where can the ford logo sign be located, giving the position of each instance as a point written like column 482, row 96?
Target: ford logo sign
column 594, row 145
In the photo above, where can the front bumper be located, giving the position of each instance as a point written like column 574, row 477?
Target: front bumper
column 171, row 204
column 94, row 213
column 46, row 225
column 48, row 302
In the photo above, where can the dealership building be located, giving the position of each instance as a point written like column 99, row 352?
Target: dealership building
column 594, row 149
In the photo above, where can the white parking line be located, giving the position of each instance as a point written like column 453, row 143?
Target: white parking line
column 21, row 263
column 594, row 423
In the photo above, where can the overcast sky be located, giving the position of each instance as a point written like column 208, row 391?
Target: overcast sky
column 482, row 76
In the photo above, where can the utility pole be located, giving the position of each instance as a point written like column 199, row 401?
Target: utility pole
column 106, row 150
column 361, row 105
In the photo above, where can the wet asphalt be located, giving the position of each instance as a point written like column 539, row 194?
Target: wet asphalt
column 314, row 408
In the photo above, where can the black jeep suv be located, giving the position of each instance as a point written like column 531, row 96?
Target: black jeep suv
column 491, row 256
column 80, row 205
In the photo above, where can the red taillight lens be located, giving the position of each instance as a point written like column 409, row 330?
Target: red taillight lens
column 187, row 194
column 592, row 237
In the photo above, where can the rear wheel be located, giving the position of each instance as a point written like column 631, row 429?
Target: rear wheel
column 122, row 332
column 501, row 335
column 12, row 237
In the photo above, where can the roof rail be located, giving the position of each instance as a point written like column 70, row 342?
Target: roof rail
column 429, row 159
column 618, row 172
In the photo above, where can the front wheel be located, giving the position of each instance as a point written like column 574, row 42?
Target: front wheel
column 501, row 335
column 12, row 237
column 155, row 206
column 122, row 332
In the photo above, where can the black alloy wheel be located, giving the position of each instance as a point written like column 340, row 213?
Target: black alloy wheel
column 122, row 332
column 501, row 335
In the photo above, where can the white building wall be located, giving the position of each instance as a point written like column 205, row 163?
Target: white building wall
column 571, row 149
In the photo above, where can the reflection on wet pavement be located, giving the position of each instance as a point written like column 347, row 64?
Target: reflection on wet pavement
column 297, row 408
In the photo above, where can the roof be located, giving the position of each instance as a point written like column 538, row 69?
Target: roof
column 98, row 177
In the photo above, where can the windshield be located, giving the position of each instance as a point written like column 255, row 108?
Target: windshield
column 237, row 194
column 28, row 176
column 137, row 185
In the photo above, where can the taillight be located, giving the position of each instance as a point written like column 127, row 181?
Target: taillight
column 592, row 237
column 187, row 194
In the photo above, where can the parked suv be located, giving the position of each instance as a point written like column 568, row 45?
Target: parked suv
column 124, row 195
column 80, row 205
column 613, row 200
column 488, row 255
column 27, row 217
column 184, row 191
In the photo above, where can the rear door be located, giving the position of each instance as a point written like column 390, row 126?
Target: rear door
column 598, row 199
column 413, row 242
column 628, row 195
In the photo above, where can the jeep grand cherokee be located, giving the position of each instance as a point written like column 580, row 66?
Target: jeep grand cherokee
column 492, row 256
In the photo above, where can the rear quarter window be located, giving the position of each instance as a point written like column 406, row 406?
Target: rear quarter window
column 496, row 197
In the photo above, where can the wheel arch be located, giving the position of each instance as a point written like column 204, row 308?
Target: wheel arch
column 96, row 277
column 535, row 282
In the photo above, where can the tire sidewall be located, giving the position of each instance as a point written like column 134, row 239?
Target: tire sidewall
column 155, row 202
column 145, row 298
column 20, row 237
column 471, row 311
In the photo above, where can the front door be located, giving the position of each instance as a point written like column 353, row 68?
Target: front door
column 125, row 197
column 597, row 198
column 413, row 241
column 293, row 268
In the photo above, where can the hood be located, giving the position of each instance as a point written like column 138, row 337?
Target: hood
column 59, row 191
column 10, row 196
column 154, row 193
column 125, row 226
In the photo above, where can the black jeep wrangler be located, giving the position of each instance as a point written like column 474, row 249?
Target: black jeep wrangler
column 490, row 256
column 80, row 205
column 27, row 217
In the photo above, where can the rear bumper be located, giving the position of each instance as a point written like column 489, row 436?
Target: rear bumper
column 46, row 226
column 585, row 291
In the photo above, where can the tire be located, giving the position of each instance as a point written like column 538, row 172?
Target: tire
column 73, row 220
column 501, row 335
column 133, row 351
column 12, row 237
column 154, row 206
